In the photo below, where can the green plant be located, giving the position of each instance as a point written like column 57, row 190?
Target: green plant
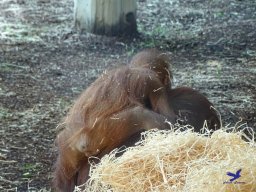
column 28, row 168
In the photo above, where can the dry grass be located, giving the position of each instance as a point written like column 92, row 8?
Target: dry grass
column 178, row 161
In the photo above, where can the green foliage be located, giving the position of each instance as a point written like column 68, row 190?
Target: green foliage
column 8, row 67
column 20, row 32
column 219, row 71
column 4, row 67
column 28, row 169
column 4, row 113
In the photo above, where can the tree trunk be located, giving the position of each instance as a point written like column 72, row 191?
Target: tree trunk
column 106, row 17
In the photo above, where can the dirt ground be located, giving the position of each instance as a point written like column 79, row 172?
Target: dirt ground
column 45, row 64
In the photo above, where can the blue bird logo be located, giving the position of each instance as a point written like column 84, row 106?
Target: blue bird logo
column 234, row 176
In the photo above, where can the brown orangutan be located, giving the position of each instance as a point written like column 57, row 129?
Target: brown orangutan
column 83, row 173
column 192, row 107
column 155, row 60
column 108, row 112
column 113, row 112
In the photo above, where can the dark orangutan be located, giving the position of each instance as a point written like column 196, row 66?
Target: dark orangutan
column 107, row 113
column 193, row 108
column 189, row 105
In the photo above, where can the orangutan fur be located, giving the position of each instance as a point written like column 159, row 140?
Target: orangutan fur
column 155, row 60
column 189, row 105
column 118, row 106
column 107, row 113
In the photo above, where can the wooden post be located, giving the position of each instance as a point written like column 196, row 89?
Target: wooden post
column 106, row 17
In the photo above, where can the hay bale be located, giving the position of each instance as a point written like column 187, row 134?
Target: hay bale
column 178, row 161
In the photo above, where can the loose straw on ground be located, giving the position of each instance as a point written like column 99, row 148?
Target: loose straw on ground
column 178, row 161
